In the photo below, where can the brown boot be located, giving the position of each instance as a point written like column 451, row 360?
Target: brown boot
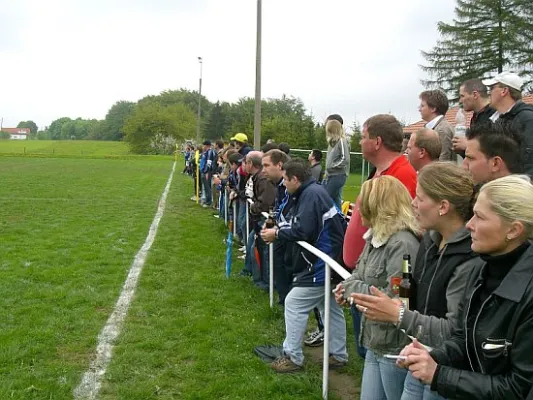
column 284, row 365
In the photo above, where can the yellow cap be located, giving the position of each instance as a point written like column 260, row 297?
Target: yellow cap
column 240, row 137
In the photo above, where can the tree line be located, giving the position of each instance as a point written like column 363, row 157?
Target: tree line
column 486, row 37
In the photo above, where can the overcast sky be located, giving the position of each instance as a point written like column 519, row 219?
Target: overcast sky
column 76, row 58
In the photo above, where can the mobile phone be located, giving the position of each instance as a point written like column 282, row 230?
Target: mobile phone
column 395, row 357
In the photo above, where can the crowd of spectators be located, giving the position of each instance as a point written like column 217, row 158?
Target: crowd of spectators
column 466, row 225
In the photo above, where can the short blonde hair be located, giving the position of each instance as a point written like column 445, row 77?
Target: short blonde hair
column 511, row 198
column 448, row 181
column 386, row 205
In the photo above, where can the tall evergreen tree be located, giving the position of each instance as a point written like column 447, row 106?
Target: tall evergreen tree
column 485, row 38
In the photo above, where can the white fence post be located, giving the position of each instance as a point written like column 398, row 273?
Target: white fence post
column 226, row 199
column 329, row 263
column 234, row 217
column 247, row 222
column 327, row 301
column 271, row 273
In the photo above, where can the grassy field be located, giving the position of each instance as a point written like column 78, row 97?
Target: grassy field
column 352, row 187
column 64, row 147
column 69, row 229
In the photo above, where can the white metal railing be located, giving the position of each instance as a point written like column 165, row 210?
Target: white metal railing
column 330, row 263
column 234, row 218
column 248, row 204
column 365, row 166
column 226, row 206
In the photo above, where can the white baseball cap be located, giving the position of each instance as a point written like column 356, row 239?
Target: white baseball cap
column 505, row 78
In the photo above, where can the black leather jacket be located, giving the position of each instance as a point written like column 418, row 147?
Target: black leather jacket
column 521, row 119
column 501, row 365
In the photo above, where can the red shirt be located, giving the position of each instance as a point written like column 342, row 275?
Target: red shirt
column 353, row 240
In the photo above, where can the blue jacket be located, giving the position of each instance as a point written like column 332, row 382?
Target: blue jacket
column 282, row 198
column 208, row 162
column 313, row 218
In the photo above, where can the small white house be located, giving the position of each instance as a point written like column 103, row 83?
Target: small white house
column 17, row 133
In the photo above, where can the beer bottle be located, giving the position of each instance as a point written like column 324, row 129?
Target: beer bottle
column 406, row 291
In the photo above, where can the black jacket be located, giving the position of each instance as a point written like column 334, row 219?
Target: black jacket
column 482, row 115
column 521, row 119
column 440, row 281
column 435, row 268
column 501, row 367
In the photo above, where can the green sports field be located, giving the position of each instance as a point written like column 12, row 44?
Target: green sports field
column 69, row 231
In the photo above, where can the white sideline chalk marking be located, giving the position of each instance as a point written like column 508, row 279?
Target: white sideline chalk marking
column 91, row 382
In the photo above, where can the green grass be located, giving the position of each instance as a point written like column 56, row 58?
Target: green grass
column 191, row 332
column 64, row 147
column 69, row 229
column 352, row 188
column 68, row 232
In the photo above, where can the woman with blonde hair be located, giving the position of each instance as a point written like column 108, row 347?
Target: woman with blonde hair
column 443, row 205
column 338, row 158
column 385, row 209
column 489, row 356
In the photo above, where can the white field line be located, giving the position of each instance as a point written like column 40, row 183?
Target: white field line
column 91, row 381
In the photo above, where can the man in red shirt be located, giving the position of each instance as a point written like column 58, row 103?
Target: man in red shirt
column 381, row 145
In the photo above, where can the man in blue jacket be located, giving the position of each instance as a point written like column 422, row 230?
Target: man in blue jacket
column 314, row 218
column 208, row 165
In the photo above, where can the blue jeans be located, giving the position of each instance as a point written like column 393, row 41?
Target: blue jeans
column 334, row 186
column 413, row 389
column 298, row 303
column 356, row 319
column 382, row 379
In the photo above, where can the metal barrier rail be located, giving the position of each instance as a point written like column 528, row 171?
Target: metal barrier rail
column 226, row 206
column 365, row 166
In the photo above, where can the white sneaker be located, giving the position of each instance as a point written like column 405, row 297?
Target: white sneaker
column 315, row 338
column 242, row 249
column 242, row 257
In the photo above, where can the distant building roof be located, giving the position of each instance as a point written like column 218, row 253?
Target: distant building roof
column 450, row 116
column 17, row 131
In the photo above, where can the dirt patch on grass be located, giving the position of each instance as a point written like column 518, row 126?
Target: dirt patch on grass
column 341, row 383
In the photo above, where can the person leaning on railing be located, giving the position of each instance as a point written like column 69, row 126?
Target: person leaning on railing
column 385, row 208
column 313, row 218
column 489, row 355
column 443, row 205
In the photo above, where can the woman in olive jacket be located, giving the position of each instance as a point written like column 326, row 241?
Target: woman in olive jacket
column 489, row 355
column 385, row 209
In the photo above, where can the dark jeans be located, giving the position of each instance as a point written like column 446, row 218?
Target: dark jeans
column 356, row 318
column 206, row 182
column 334, row 187
column 260, row 271
column 282, row 277
column 241, row 219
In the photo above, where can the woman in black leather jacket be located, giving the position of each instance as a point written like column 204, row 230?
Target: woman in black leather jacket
column 490, row 354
